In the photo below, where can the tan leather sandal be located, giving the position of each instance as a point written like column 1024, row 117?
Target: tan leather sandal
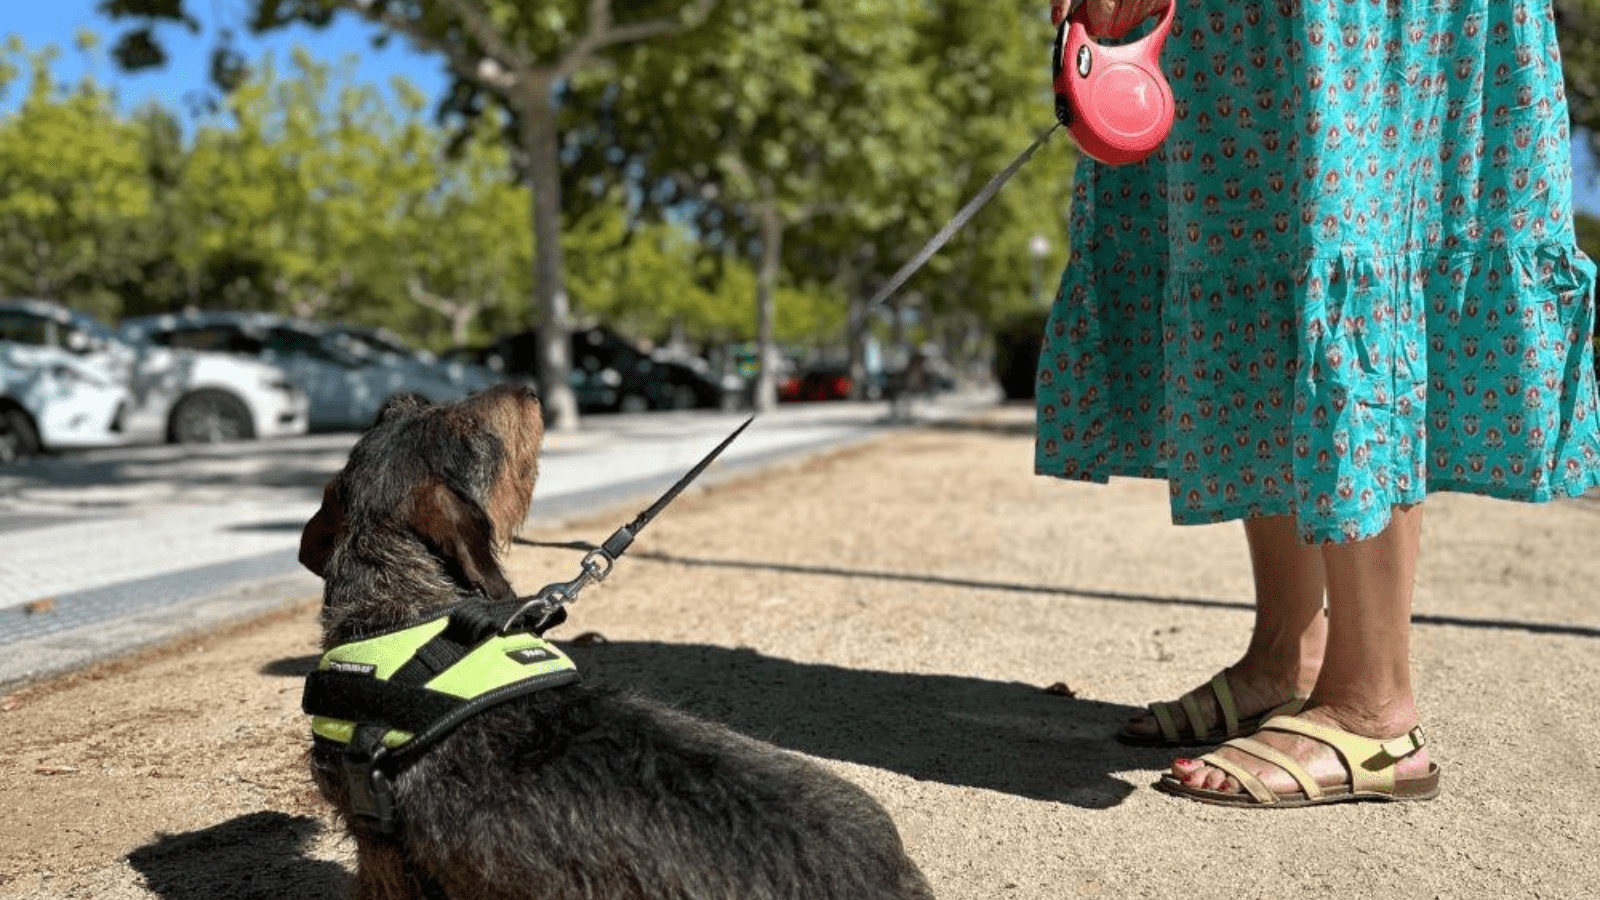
column 1370, row 762
column 1194, row 731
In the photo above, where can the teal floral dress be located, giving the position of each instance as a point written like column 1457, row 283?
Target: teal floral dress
column 1347, row 280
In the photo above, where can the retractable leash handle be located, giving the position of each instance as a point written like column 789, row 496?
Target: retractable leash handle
column 1113, row 99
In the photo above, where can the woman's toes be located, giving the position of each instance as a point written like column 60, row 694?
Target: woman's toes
column 1191, row 772
column 1198, row 775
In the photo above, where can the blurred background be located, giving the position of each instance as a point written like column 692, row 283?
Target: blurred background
column 226, row 219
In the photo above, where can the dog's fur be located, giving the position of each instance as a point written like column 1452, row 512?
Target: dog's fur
column 572, row 792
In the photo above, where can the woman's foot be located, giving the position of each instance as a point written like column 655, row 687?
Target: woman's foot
column 1317, row 758
column 1254, row 692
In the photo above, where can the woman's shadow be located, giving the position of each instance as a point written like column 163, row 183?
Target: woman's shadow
column 1009, row 737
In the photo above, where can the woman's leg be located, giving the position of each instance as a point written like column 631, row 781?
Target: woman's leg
column 1285, row 651
column 1365, row 683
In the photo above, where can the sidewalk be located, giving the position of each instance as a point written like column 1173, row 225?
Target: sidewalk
column 118, row 549
column 897, row 609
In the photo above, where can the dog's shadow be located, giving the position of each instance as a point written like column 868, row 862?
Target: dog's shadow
column 1003, row 736
column 258, row 856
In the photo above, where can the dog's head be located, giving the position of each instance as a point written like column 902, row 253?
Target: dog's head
column 428, row 497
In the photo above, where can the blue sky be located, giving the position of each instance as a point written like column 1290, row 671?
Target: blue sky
column 41, row 23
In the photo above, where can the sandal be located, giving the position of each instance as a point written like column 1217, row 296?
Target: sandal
column 1370, row 762
column 1198, row 732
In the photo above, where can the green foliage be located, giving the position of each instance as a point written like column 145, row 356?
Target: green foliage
column 1578, row 30
column 74, row 190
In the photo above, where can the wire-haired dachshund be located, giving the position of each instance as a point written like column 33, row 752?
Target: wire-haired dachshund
column 563, row 790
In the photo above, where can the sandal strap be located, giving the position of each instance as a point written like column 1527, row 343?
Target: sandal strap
column 1369, row 761
column 1252, row 785
column 1308, row 784
column 1224, row 694
column 1163, row 714
column 1191, row 708
column 1195, row 719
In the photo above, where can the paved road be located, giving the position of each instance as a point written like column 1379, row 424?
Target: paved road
column 106, row 551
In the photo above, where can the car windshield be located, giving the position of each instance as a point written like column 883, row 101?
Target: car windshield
column 380, row 341
column 299, row 343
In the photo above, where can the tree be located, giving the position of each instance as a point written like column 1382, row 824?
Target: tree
column 511, row 55
column 74, row 193
column 308, row 178
column 463, row 245
column 1578, row 31
column 770, row 116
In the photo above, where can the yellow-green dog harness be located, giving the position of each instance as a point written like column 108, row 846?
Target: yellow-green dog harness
column 389, row 697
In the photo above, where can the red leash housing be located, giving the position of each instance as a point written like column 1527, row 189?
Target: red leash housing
column 1113, row 99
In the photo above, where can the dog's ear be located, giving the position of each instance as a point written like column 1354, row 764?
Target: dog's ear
column 459, row 531
column 408, row 403
column 316, row 541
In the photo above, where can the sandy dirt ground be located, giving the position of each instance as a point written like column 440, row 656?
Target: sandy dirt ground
column 900, row 611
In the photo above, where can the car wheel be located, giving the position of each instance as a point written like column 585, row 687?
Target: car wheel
column 208, row 417
column 18, row 437
column 633, row 403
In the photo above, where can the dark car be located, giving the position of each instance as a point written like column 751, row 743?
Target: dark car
column 823, row 381
column 610, row 374
column 1016, row 353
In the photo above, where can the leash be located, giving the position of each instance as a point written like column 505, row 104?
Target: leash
column 550, row 601
column 1117, row 120
column 958, row 221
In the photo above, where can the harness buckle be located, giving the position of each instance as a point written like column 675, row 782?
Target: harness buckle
column 371, row 792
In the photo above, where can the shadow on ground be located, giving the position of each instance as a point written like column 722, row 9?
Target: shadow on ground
column 1010, row 737
column 260, row 856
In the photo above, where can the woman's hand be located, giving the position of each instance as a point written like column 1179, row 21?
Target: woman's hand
column 1109, row 18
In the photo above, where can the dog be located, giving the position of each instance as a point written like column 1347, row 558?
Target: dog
column 571, row 791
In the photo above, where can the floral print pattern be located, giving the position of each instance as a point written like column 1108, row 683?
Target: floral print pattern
column 1347, row 280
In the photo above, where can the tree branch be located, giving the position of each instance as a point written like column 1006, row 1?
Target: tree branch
column 482, row 70
column 601, row 34
column 476, row 21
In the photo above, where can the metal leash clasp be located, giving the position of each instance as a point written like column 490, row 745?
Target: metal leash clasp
column 597, row 563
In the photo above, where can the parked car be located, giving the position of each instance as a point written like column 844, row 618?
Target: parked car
column 388, row 348
column 610, row 374
column 68, row 381
column 346, row 387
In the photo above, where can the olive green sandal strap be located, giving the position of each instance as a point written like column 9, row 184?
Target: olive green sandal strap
column 1224, row 693
column 1308, row 784
column 1163, row 714
column 1370, row 762
column 1190, row 704
column 1197, row 723
column 1252, row 785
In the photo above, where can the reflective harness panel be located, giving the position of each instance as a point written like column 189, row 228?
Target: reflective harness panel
column 389, row 697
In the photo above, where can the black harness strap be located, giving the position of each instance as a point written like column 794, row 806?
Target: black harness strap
column 364, row 699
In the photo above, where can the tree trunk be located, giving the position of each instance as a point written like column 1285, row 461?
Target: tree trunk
column 542, row 149
column 766, row 391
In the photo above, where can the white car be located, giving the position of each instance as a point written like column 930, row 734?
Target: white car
column 346, row 379
column 67, row 381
